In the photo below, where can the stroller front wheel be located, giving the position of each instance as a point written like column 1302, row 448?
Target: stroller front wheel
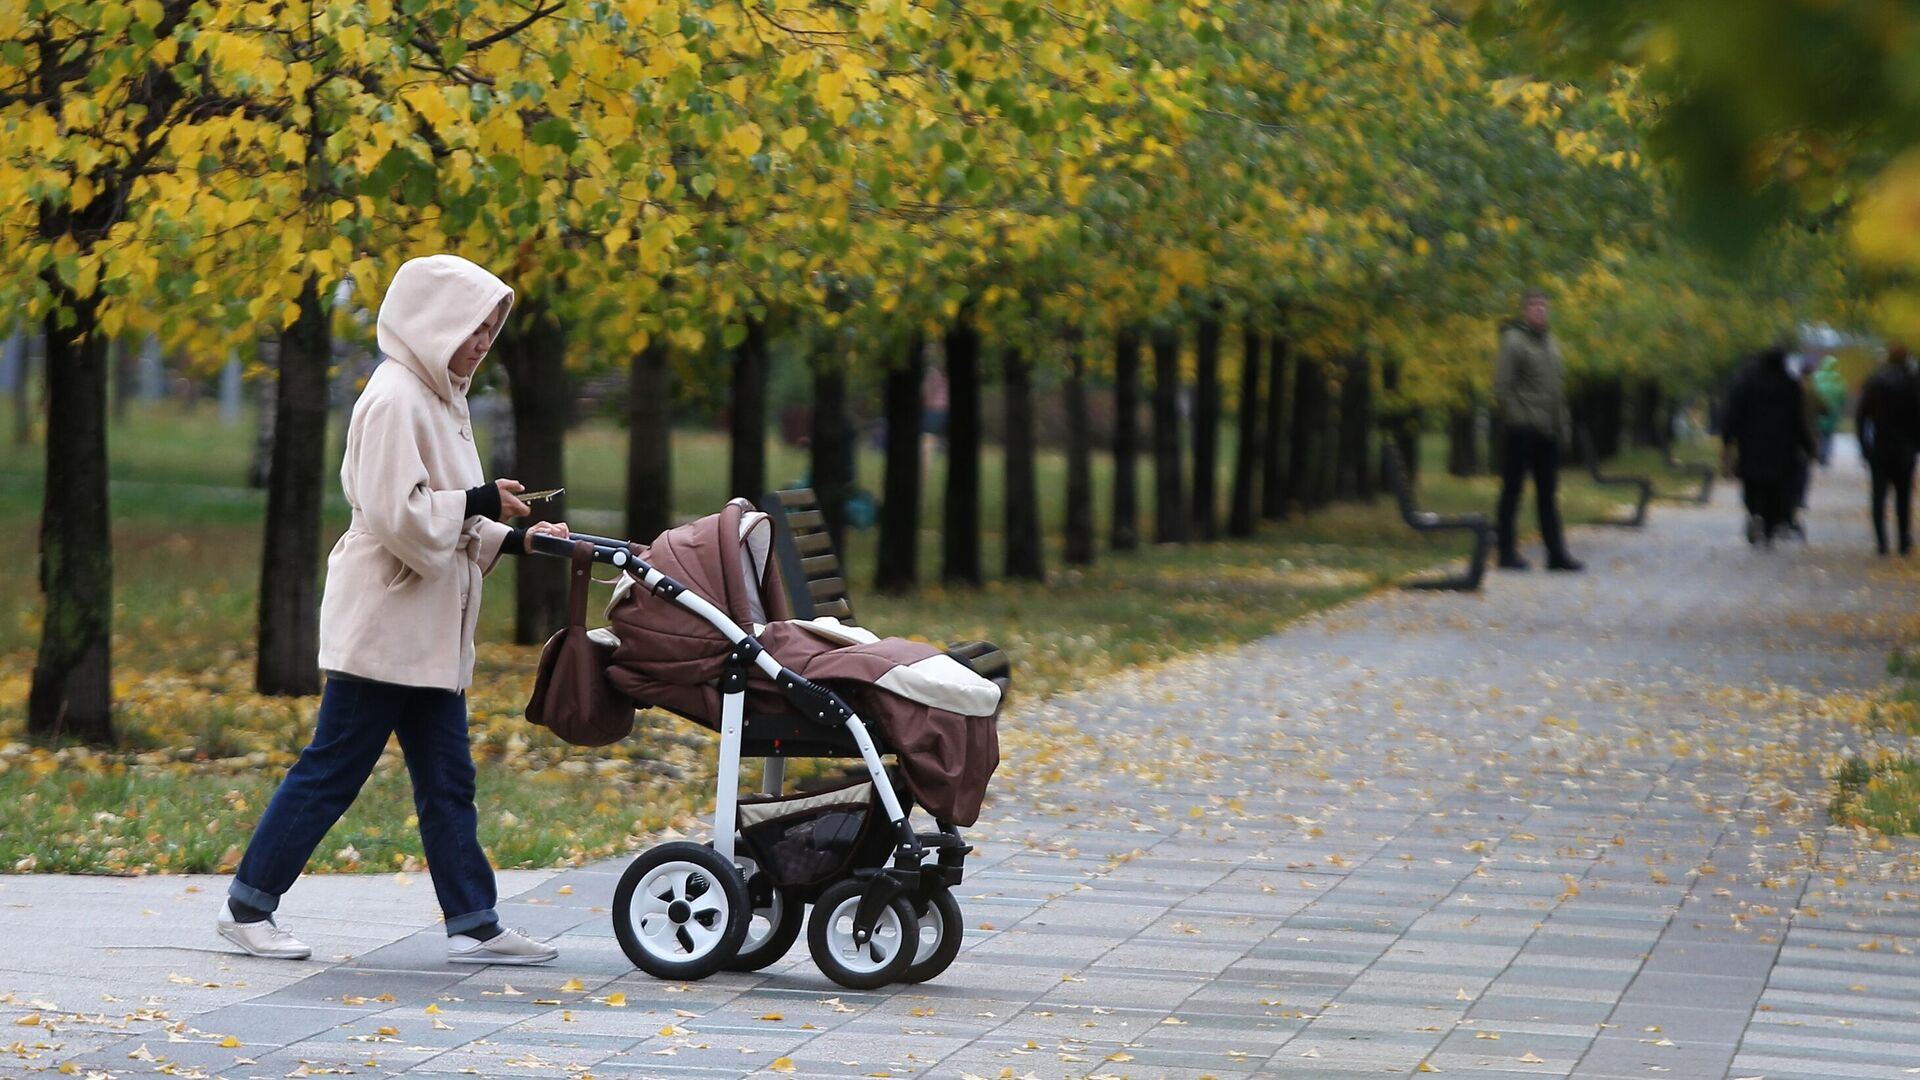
column 772, row 928
column 680, row 911
column 838, row 950
column 939, row 938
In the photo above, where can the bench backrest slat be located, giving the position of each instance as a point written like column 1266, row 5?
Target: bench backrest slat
column 816, row 584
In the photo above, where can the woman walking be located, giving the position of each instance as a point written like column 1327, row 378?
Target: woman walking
column 397, row 619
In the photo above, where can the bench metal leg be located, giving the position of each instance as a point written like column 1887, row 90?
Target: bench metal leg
column 1476, row 571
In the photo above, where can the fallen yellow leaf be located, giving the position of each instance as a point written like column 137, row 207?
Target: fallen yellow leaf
column 780, row 1065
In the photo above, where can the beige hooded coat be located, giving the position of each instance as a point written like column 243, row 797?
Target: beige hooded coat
column 403, row 583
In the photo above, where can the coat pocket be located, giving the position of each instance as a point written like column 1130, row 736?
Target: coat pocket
column 401, row 575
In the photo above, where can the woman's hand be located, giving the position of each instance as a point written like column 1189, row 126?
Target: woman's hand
column 546, row 528
column 511, row 507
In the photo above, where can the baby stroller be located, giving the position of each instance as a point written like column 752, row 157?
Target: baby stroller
column 881, row 892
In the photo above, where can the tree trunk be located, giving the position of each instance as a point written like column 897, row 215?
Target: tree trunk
column 1206, row 429
column 266, row 393
column 1275, row 483
column 830, row 447
column 1356, row 427
column 1463, row 449
column 533, row 349
column 289, row 631
column 650, row 442
column 960, row 522
column 1326, row 440
column 747, row 466
column 1400, row 423
column 1596, row 409
column 1246, row 448
column 1169, row 496
column 1613, row 401
column 898, row 564
column 71, row 698
column 1302, row 461
column 1649, row 414
column 1079, row 527
column 1026, row 559
column 1125, row 532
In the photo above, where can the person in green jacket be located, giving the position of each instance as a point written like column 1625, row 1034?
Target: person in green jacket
column 1530, row 398
column 1832, row 388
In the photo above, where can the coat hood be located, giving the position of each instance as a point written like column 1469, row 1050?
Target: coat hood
column 432, row 306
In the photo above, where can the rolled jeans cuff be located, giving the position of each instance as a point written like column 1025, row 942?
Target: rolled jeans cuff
column 252, row 897
column 460, row 924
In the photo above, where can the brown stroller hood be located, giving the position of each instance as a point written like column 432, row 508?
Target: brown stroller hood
column 713, row 558
column 669, row 657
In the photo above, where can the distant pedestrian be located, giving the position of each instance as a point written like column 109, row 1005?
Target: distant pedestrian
column 1767, row 438
column 1529, row 396
column 397, row 618
column 1832, row 388
column 1888, row 421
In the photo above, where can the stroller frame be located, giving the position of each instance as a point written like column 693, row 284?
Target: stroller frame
column 902, row 891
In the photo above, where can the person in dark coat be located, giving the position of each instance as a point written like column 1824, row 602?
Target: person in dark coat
column 1530, row 398
column 1888, row 420
column 1766, row 441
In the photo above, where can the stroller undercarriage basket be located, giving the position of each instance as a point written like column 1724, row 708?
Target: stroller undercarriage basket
column 881, row 893
column 806, row 840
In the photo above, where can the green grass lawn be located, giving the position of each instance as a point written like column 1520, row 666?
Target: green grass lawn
column 1884, row 793
column 202, row 752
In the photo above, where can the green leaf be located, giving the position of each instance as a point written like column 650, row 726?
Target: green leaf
column 733, row 335
column 555, row 131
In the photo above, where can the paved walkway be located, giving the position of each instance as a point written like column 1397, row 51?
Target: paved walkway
column 1569, row 827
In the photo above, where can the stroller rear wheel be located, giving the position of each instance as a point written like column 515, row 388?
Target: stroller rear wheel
column 839, row 950
column 939, row 938
column 772, row 927
column 681, row 911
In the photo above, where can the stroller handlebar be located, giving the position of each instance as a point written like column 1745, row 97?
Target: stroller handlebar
column 605, row 550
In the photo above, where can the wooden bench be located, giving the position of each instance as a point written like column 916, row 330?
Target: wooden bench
column 817, row 582
column 1642, row 484
column 1429, row 522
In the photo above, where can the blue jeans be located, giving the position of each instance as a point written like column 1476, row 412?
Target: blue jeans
column 355, row 719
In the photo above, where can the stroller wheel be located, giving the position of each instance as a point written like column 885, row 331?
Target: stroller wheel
column 848, row 961
column 680, row 911
column 772, row 928
column 940, row 931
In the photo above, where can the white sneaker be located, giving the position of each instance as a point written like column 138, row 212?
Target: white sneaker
column 506, row 947
column 261, row 938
